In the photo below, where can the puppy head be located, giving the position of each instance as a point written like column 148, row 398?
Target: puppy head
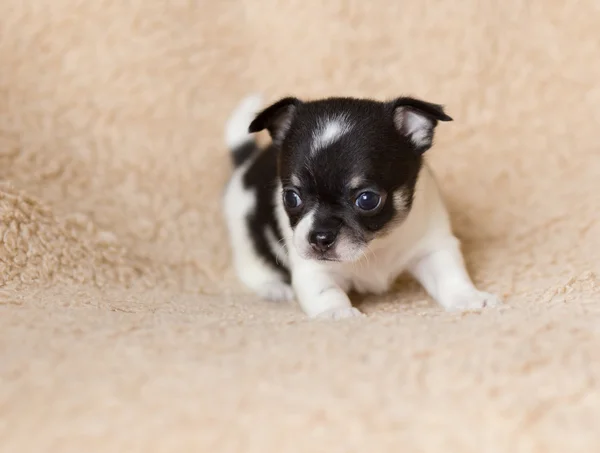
column 348, row 167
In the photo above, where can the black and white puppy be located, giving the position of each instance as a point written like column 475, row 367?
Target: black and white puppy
column 341, row 200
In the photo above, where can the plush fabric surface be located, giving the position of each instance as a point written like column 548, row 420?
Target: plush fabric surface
column 122, row 326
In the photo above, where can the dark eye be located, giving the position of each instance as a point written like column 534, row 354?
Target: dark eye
column 291, row 199
column 368, row 201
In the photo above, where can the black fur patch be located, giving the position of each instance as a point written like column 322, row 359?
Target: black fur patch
column 243, row 152
column 262, row 178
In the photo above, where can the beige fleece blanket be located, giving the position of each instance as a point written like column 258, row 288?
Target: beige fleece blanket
column 122, row 326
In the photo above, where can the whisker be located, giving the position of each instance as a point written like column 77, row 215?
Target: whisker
column 283, row 245
column 368, row 254
column 364, row 259
column 362, row 262
column 280, row 243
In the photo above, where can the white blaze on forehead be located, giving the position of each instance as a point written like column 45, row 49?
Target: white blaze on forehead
column 329, row 131
column 356, row 182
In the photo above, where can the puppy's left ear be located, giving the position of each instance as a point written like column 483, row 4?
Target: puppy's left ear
column 277, row 118
column 416, row 120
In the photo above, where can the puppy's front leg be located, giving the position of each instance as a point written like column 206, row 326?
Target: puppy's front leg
column 320, row 296
column 444, row 276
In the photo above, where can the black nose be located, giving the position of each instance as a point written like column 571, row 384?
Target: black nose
column 321, row 241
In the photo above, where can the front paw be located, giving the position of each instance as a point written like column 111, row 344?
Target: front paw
column 472, row 300
column 339, row 313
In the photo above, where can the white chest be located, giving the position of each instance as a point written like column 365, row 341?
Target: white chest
column 377, row 270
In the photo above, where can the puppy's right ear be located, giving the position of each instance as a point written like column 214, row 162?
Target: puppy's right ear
column 416, row 120
column 277, row 118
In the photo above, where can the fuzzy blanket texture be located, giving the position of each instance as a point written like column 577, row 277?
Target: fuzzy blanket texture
column 122, row 325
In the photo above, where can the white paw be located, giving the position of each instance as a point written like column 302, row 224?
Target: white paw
column 276, row 291
column 472, row 300
column 340, row 313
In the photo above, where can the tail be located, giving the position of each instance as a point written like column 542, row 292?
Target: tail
column 241, row 143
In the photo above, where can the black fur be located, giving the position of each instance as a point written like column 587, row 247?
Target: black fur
column 243, row 152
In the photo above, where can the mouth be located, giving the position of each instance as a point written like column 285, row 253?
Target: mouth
column 327, row 258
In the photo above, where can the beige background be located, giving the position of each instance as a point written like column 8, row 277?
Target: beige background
column 122, row 327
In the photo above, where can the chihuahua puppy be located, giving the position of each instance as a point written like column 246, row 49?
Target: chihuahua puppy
column 341, row 200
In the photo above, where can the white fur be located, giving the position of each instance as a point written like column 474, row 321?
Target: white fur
column 356, row 182
column 236, row 130
column 277, row 247
column 416, row 127
column 422, row 245
column 346, row 248
column 300, row 235
column 329, row 131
